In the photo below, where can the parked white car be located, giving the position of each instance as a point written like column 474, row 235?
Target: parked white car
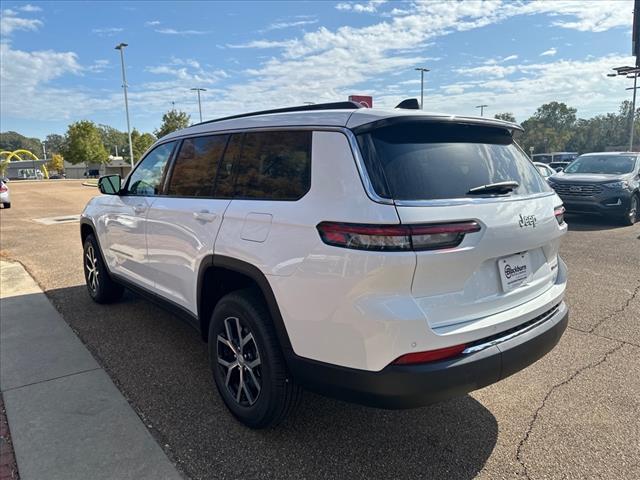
column 5, row 197
column 392, row 258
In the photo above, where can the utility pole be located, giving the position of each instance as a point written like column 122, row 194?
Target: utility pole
column 422, row 72
column 629, row 72
column 199, row 104
column 482, row 107
column 121, row 47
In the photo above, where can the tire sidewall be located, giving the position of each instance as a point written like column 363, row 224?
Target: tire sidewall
column 236, row 306
column 99, row 294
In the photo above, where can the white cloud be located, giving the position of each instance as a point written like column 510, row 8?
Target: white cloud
column 549, row 53
column 173, row 31
column 368, row 7
column 107, row 31
column 283, row 25
column 30, row 8
column 590, row 16
column 152, row 23
column 10, row 23
column 263, row 44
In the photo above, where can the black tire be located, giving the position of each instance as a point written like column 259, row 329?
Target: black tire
column 269, row 394
column 100, row 285
column 7, row 205
column 632, row 214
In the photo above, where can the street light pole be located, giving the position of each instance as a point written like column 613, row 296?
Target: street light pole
column 629, row 72
column 199, row 104
column 422, row 72
column 481, row 107
column 633, row 111
column 121, row 47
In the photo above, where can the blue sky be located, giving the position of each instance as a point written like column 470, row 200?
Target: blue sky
column 58, row 62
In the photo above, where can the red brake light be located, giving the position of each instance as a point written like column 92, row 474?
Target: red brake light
column 559, row 214
column 395, row 237
column 3, row 187
column 430, row 356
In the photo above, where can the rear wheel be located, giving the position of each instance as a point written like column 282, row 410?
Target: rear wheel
column 631, row 216
column 7, row 205
column 247, row 363
column 99, row 284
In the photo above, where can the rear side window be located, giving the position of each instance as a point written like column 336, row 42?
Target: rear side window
column 195, row 167
column 274, row 165
column 428, row 161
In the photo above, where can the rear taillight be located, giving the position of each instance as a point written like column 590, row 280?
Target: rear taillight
column 559, row 214
column 3, row 188
column 394, row 238
column 430, row 356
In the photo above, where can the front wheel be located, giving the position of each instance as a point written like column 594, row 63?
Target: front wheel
column 247, row 363
column 7, row 205
column 631, row 216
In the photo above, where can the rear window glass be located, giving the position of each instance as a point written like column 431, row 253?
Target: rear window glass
column 274, row 165
column 428, row 161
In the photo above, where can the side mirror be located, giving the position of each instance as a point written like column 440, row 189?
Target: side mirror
column 559, row 169
column 110, row 184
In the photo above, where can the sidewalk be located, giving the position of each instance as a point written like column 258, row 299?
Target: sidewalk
column 66, row 417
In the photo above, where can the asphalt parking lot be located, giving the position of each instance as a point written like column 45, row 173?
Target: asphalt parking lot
column 574, row 414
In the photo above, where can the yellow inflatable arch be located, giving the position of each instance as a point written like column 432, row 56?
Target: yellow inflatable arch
column 16, row 153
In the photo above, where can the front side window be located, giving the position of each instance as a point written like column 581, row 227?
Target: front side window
column 195, row 167
column 146, row 179
column 603, row 164
column 274, row 165
column 425, row 161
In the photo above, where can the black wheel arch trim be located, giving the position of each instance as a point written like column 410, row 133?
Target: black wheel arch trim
column 255, row 274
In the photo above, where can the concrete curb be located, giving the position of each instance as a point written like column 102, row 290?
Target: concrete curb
column 67, row 418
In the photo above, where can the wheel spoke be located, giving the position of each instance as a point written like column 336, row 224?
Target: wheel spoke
column 228, row 330
column 226, row 382
column 248, row 393
column 226, row 342
column 240, row 386
column 246, row 339
column 254, row 380
column 239, row 332
column 254, row 363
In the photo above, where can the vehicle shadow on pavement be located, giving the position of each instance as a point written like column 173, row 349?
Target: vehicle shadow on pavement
column 160, row 364
column 590, row 223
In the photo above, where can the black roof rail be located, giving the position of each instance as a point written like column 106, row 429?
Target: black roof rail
column 300, row 108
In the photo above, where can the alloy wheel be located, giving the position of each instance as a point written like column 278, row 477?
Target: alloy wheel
column 91, row 267
column 633, row 209
column 239, row 360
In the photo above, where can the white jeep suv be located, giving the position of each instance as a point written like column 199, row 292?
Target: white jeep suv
column 391, row 258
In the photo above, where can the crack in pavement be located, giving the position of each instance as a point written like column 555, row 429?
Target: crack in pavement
column 617, row 311
column 599, row 335
column 536, row 414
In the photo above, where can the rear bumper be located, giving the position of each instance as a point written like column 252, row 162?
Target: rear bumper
column 410, row 386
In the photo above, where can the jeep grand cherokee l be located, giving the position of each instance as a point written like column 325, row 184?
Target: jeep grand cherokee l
column 388, row 257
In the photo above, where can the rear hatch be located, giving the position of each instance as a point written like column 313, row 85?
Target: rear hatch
column 448, row 172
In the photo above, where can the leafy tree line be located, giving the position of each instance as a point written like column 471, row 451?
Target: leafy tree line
column 86, row 142
column 554, row 127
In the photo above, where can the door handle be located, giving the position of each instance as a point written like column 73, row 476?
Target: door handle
column 204, row 216
column 138, row 209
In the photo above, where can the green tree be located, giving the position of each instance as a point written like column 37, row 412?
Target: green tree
column 83, row 144
column 171, row 121
column 549, row 129
column 14, row 141
column 56, row 163
column 54, row 143
column 114, row 140
column 506, row 116
column 141, row 142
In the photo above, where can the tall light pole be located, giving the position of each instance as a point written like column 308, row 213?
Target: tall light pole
column 482, row 107
column 121, row 47
column 199, row 104
column 629, row 72
column 422, row 72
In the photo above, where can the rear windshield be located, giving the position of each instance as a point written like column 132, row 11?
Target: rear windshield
column 428, row 161
column 613, row 164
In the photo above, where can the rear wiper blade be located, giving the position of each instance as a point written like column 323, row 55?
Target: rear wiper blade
column 498, row 187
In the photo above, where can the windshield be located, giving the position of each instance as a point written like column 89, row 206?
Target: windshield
column 606, row 164
column 424, row 161
column 564, row 157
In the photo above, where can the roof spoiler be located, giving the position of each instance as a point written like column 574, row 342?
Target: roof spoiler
column 409, row 104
